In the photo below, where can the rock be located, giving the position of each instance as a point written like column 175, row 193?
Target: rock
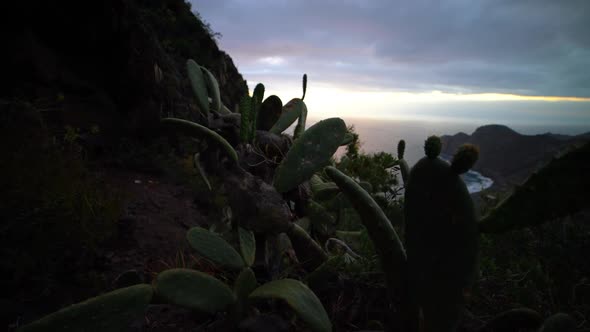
column 256, row 204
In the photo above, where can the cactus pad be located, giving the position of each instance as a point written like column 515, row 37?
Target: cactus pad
column 247, row 245
column 200, row 132
column 212, row 90
column 300, row 298
column 291, row 111
column 392, row 254
column 243, row 286
column 213, row 247
column 198, row 84
column 112, row 311
column 432, row 147
column 309, row 252
column 309, row 153
column 464, row 158
column 559, row 322
column 269, row 113
column 193, row 289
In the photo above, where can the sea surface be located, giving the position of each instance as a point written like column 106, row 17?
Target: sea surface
column 383, row 135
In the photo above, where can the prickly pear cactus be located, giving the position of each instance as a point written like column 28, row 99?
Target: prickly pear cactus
column 387, row 244
column 244, row 285
column 212, row 90
column 321, row 190
column 310, row 253
column 247, row 245
column 113, row 311
column 348, row 138
column 300, row 298
column 403, row 164
column 300, row 128
column 193, row 289
column 199, row 85
column 269, row 113
column 441, row 234
column 559, row 322
column 200, row 132
column 519, row 319
column 214, row 248
column 291, row 111
column 309, row 153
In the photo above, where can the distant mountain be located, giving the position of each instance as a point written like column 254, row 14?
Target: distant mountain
column 507, row 156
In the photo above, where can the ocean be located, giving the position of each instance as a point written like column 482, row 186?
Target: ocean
column 383, row 135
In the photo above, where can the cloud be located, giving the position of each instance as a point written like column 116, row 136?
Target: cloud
column 539, row 47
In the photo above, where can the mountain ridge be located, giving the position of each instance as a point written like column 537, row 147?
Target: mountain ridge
column 507, row 156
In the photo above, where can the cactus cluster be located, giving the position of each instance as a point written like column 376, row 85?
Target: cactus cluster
column 191, row 289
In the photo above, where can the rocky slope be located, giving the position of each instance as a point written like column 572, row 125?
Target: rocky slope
column 507, row 156
column 82, row 90
column 116, row 64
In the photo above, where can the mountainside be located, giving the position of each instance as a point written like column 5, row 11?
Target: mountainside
column 118, row 65
column 507, row 156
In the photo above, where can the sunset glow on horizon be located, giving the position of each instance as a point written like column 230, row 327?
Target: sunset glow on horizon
column 478, row 61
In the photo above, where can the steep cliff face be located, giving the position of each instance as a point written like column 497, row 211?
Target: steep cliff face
column 506, row 155
column 115, row 64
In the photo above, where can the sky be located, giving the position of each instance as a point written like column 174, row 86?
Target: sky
column 483, row 61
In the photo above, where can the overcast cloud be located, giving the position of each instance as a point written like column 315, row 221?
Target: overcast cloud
column 533, row 47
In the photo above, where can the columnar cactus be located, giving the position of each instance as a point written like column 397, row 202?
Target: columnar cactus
column 441, row 234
